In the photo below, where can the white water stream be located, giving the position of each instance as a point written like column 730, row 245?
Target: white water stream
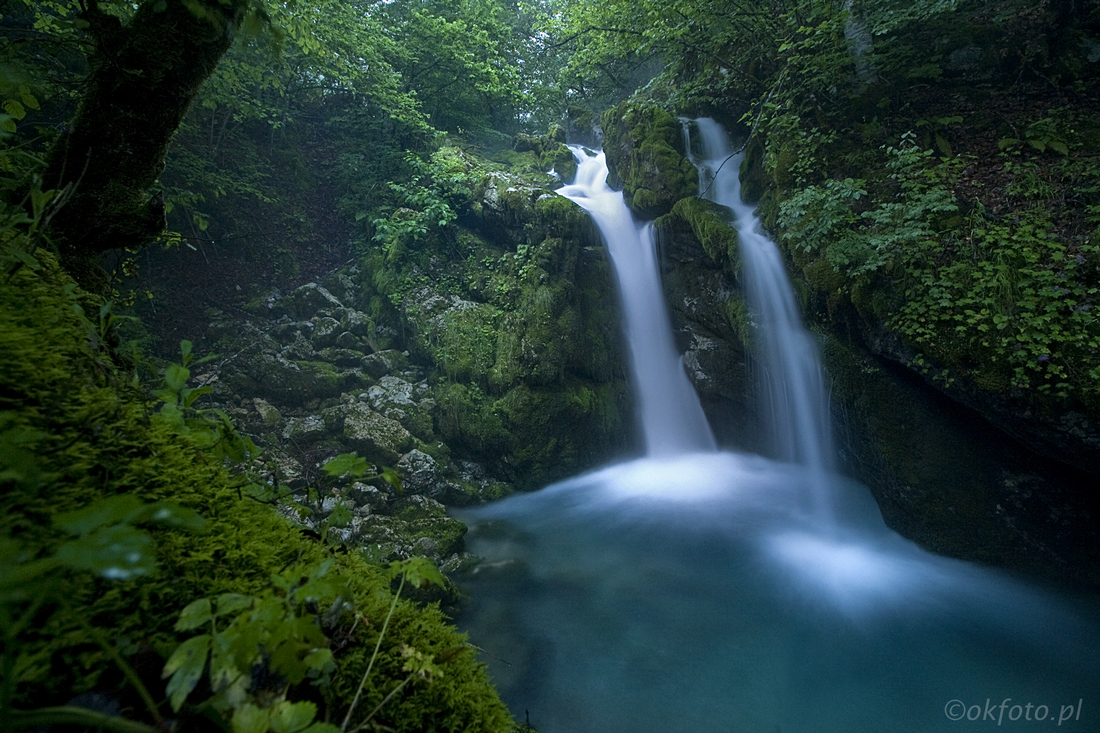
column 671, row 419
column 698, row 590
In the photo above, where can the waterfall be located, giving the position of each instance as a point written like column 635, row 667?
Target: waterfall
column 792, row 380
column 696, row 590
column 672, row 419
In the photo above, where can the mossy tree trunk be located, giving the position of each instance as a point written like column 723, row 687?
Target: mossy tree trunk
column 143, row 77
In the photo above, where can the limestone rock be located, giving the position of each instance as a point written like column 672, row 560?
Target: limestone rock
column 308, row 429
column 268, row 414
column 304, row 302
column 375, row 437
column 325, row 332
column 381, row 363
column 358, row 324
column 420, row 473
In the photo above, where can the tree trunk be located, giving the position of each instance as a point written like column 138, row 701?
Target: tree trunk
column 143, row 78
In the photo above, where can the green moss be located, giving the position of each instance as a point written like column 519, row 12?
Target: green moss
column 644, row 146
column 92, row 436
column 560, row 159
column 823, row 277
column 710, row 227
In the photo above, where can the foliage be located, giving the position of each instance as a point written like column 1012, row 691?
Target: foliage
column 76, row 434
column 209, row 427
column 323, row 506
column 107, row 545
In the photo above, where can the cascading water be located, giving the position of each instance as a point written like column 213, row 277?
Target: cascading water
column 793, row 382
column 671, row 417
column 690, row 590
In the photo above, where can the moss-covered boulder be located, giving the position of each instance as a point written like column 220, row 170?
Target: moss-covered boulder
column 645, row 156
column 516, row 298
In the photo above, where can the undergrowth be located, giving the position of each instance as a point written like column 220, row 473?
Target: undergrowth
column 80, row 434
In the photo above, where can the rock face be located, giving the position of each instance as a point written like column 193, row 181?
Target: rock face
column 515, row 322
column 457, row 367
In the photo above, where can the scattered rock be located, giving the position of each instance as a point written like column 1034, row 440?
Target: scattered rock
column 268, row 414
column 304, row 302
column 305, row 430
column 374, row 436
column 381, row 363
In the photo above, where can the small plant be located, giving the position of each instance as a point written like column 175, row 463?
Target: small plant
column 209, row 427
column 256, row 648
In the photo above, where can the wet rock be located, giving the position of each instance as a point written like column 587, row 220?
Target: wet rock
column 288, row 383
column 342, row 286
column 304, row 302
column 358, row 324
column 325, row 332
column 420, row 474
column 381, row 363
column 304, row 430
column 347, row 340
column 644, row 147
column 370, row 499
column 374, row 436
column 265, row 304
column 299, row 348
column 269, row 416
column 341, row 357
column 285, row 471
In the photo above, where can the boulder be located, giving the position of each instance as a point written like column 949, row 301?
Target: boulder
column 305, row 430
column 358, row 324
column 374, row 436
column 304, row 302
column 269, row 416
column 325, row 332
column 381, row 363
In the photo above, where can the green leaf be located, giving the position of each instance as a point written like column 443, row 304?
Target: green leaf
column 250, row 719
column 118, row 552
column 319, row 659
column 15, row 109
column 341, row 516
column 29, row 99
column 113, row 510
column 185, row 668
column 185, row 351
column 393, row 478
column 418, row 571
column 345, row 463
column 1059, row 147
column 194, row 615
column 232, row 603
column 292, row 717
column 190, row 395
column 175, row 376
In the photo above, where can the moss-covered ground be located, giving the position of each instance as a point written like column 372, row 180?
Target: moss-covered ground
column 77, row 427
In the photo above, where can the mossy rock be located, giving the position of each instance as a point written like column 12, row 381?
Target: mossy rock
column 644, row 147
column 709, row 225
column 560, row 159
